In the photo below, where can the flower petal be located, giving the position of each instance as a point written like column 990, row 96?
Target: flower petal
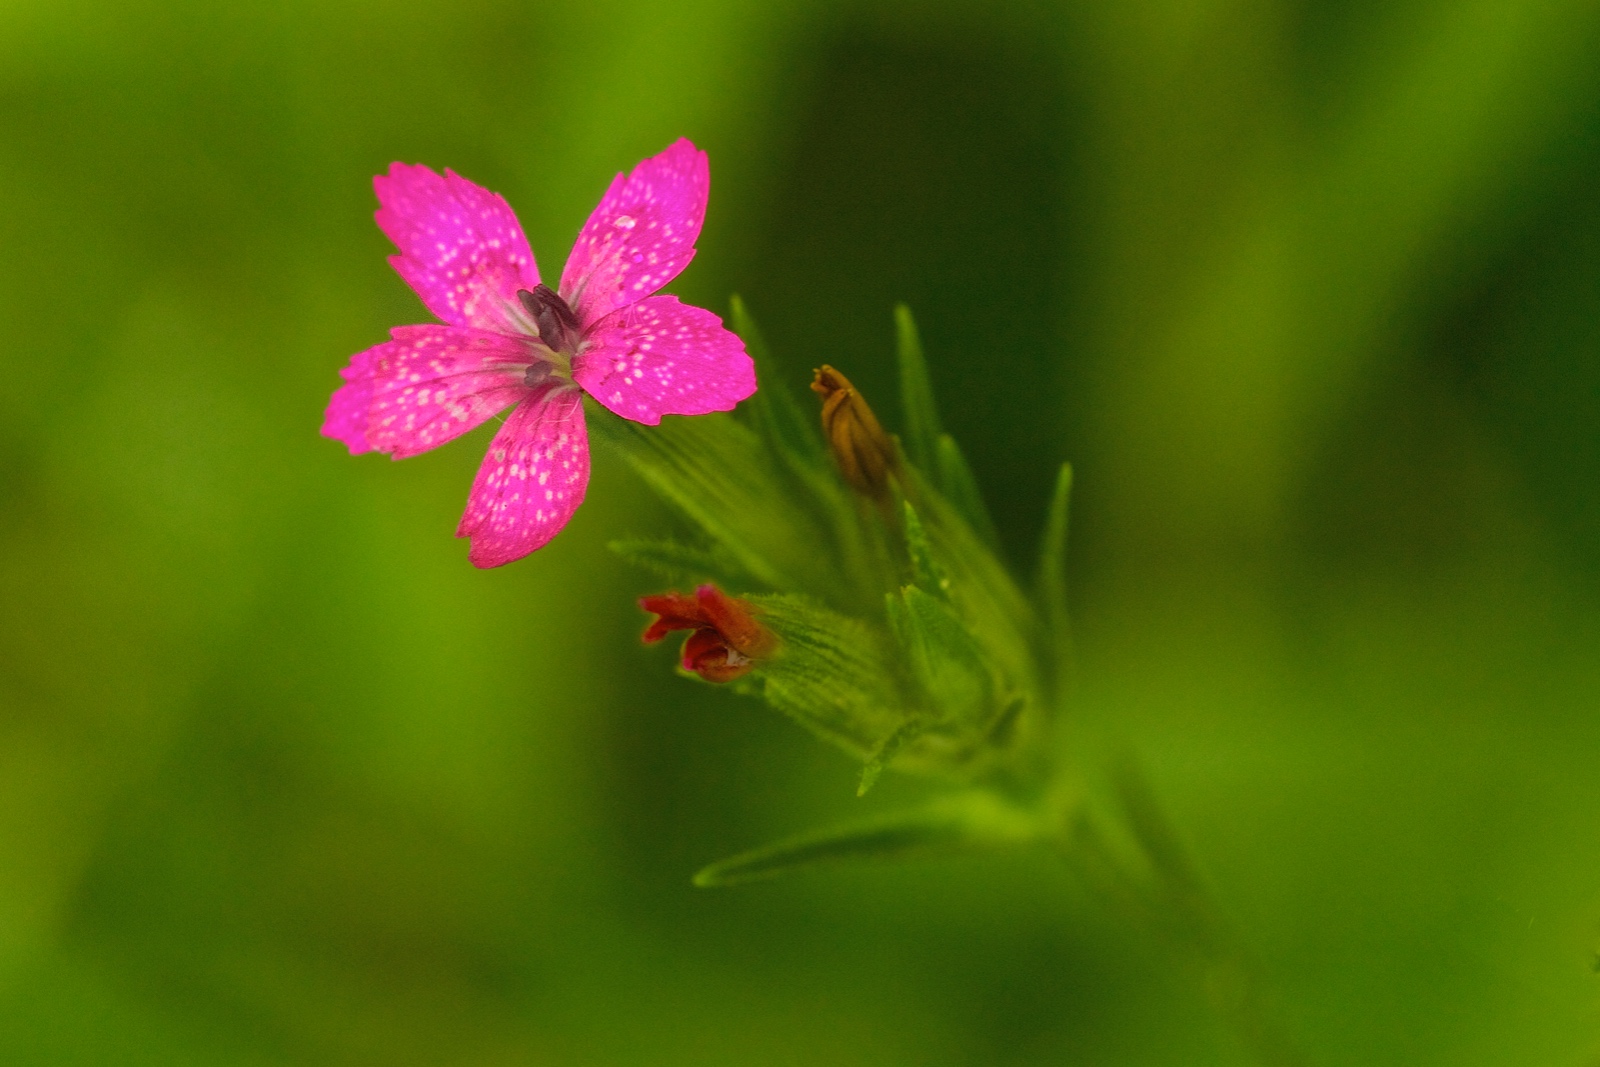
column 346, row 417
column 677, row 611
column 642, row 234
column 660, row 357
column 429, row 385
column 461, row 247
column 531, row 481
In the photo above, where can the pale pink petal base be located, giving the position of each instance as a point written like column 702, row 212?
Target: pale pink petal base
column 660, row 357
column 641, row 236
column 531, row 481
column 429, row 385
column 461, row 247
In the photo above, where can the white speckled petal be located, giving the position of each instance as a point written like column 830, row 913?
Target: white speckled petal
column 531, row 481
column 461, row 247
column 641, row 236
column 661, row 357
column 428, row 385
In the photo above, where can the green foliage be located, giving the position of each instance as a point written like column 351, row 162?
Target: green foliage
column 944, row 659
column 714, row 471
column 759, row 489
column 904, row 640
column 678, row 562
column 832, row 674
column 980, row 589
column 773, row 411
column 887, row 751
column 921, row 431
column 929, row 448
column 925, row 569
column 1052, row 575
column 956, row 482
column 965, row 821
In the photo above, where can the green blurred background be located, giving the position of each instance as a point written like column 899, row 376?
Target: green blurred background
column 1308, row 290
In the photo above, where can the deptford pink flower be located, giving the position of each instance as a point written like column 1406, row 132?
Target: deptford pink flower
column 509, row 341
column 726, row 640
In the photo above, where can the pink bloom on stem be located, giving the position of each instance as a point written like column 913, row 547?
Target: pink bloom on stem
column 511, row 342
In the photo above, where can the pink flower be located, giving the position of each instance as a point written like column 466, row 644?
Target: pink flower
column 512, row 342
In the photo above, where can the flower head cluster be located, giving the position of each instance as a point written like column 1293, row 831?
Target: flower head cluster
column 510, row 341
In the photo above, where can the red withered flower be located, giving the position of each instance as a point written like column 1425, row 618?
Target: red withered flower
column 726, row 640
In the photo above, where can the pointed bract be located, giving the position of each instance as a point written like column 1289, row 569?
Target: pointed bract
column 922, row 429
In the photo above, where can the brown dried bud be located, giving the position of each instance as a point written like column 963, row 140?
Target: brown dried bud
column 865, row 454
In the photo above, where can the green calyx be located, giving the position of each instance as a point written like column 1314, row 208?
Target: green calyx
column 904, row 639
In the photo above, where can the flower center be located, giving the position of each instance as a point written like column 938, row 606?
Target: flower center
column 558, row 326
column 558, row 331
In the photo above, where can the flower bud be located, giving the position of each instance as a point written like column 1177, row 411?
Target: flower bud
column 865, row 454
column 726, row 641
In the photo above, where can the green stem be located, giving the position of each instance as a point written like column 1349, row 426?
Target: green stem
column 1170, row 900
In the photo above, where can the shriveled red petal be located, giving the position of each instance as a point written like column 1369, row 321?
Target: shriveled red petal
column 735, row 620
column 708, row 655
column 726, row 641
column 677, row 611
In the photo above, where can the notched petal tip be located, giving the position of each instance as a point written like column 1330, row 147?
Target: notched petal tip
column 346, row 417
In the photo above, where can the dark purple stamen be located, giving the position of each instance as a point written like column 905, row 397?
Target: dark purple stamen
column 558, row 326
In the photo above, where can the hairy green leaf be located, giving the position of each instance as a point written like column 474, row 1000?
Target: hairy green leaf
column 773, row 411
column 981, row 590
column 886, row 753
column 955, row 480
column 922, row 429
column 1052, row 579
column 967, row 821
column 833, row 674
column 715, row 471
column 925, row 569
column 945, row 659
column 678, row 562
